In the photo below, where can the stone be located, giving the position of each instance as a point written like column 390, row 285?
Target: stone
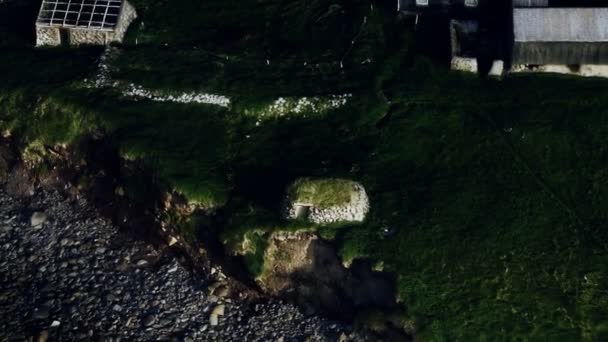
column 221, row 291
column 43, row 337
column 172, row 269
column 37, row 219
column 218, row 310
column 212, row 287
column 55, row 324
column 148, row 320
column 172, row 241
column 213, row 320
column 142, row 263
column 42, row 313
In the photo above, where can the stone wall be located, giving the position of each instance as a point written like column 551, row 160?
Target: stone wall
column 127, row 15
column 354, row 210
column 47, row 36
column 84, row 36
column 78, row 36
column 585, row 70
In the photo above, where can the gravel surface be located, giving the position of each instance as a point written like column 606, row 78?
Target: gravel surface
column 66, row 274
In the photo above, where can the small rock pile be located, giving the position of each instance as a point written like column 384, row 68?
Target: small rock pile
column 354, row 211
column 66, row 274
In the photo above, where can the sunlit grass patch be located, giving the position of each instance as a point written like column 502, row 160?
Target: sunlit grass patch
column 321, row 193
column 298, row 106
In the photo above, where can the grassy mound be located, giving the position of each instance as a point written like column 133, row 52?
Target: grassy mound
column 321, row 193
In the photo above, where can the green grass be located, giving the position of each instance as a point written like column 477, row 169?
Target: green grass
column 321, row 193
column 269, row 27
column 254, row 257
column 244, row 49
column 497, row 219
column 186, row 145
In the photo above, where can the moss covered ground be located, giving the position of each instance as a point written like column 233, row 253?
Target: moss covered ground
column 496, row 188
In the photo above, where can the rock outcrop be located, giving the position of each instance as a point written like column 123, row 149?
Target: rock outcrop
column 307, row 200
column 308, row 269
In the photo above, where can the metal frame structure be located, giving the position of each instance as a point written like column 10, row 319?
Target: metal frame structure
column 99, row 15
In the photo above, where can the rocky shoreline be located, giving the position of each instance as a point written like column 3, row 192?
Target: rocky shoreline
column 68, row 274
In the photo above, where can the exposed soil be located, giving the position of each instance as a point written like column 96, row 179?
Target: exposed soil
column 306, row 269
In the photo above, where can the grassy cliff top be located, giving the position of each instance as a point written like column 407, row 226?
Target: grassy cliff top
column 496, row 190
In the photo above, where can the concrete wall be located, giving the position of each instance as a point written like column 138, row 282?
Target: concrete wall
column 47, row 36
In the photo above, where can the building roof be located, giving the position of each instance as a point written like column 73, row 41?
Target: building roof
column 560, row 35
column 91, row 14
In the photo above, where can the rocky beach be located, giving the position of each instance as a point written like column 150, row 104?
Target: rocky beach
column 67, row 274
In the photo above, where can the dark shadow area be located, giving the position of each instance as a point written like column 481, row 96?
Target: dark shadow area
column 17, row 22
column 432, row 38
column 323, row 285
column 48, row 69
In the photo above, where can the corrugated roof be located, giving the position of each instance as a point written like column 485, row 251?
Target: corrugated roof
column 92, row 14
column 560, row 24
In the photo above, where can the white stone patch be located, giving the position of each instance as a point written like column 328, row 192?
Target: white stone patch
column 133, row 90
column 103, row 79
column 467, row 64
column 302, row 105
column 585, row 70
column 280, row 107
column 354, row 211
